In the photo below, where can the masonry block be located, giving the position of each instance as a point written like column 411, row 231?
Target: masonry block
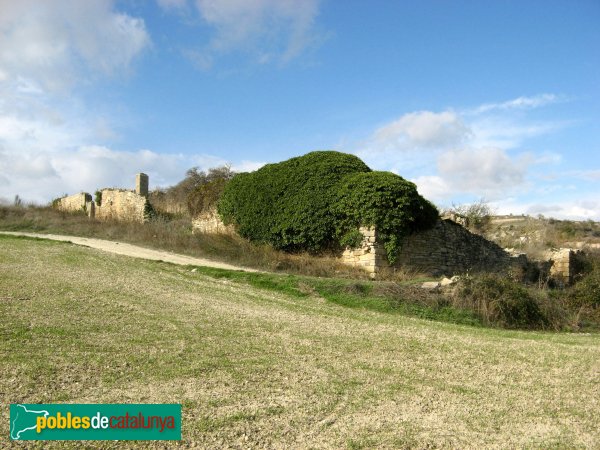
column 141, row 184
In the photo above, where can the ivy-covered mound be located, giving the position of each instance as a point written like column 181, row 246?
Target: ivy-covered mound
column 318, row 201
column 384, row 200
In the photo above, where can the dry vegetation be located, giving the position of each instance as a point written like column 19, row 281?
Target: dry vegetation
column 174, row 234
column 531, row 235
column 536, row 235
column 256, row 368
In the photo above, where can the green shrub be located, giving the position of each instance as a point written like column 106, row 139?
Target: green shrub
column 500, row 301
column 586, row 293
column 386, row 201
column 98, row 198
column 352, row 238
column 149, row 211
column 289, row 204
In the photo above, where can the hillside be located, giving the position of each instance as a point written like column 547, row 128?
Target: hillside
column 257, row 368
column 534, row 235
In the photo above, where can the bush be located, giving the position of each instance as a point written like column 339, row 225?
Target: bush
column 188, row 197
column 208, row 190
column 289, row 204
column 478, row 214
column 205, row 197
column 586, row 293
column 149, row 211
column 500, row 301
column 386, row 201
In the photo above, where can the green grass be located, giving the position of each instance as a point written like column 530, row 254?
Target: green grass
column 358, row 294
column 274, row 362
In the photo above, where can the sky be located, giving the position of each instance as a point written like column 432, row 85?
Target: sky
column 470, row 100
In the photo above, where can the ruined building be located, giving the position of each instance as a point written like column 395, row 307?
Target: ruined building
column 446, row 249
column 114, row 204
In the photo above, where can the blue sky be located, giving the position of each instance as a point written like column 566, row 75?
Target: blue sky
column 469, row 99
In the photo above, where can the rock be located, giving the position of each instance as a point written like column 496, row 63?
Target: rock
column 430, row 285
column 449, row 281
column 446, row 282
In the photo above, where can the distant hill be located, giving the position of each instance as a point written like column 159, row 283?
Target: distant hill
column 534, row 235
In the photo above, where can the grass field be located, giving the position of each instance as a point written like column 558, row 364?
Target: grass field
column 259, row 368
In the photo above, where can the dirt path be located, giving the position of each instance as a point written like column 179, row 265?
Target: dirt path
column 135, row 251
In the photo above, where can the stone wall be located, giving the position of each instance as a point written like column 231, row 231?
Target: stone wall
column 446, row 249
column 209, row 222
column 457, row 218
column 450, row 249
column 119, row 204
column 369, row 255
column 75, row 203
column 565, row 265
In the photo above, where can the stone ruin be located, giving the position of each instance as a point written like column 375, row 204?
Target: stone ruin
column 111, row 204
column 565, row 265
column 447, row 249
column 209, row 222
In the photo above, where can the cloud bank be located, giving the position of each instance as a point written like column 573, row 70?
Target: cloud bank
column 482, row 152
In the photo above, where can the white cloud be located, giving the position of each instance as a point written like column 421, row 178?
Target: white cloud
column 547, row 158
column 51, row 44
column 41, row 176
column 172, row 4
column 590, row 175
column 42, row 156
column 519, row 103
column 420, row 130
column 36, row 134
column 484, row 171
column 433, row 187
column 98, row 166
column 577, row 209
column 476, row 172
column 202, row 60
column 247, row 166
column 429, row 130
column 268, row 30
column 41, row 160
column 507, row 132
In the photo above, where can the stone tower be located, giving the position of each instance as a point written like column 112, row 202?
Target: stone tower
column 141, row 184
